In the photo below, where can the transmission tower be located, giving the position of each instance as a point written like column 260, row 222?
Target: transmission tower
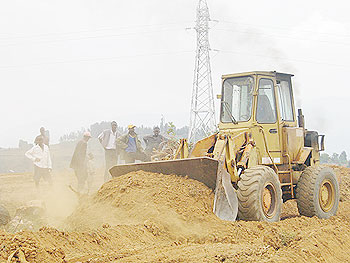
column 202, row 118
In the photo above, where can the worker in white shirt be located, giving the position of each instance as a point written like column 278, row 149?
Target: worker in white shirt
column 40, row 155
column 108, row 140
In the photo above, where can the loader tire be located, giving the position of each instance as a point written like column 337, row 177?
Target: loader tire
column 259, row 195
column 317, row 192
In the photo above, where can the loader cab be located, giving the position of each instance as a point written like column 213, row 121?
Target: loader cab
column 256, row 97
column 261, row 102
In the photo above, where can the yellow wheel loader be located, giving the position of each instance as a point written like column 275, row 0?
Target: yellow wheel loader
column 261, row 156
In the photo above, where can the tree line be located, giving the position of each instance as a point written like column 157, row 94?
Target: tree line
column 338, row 159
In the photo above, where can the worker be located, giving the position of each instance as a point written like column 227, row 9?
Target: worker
column 46, row 135
column 154, row 141
column 108, row 141
column 40, row 156
column 79, row 160
column 131, row 146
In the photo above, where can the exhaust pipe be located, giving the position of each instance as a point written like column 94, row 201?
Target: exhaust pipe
column 301, row 119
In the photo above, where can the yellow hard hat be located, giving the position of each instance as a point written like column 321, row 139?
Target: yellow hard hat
column 131, row 126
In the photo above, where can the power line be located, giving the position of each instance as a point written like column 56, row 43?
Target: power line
column 281, row 28
column 92, row 30
column 98, row 59
column 281, row 36
column 282, row 58
column 170, row 53
column 91, row 37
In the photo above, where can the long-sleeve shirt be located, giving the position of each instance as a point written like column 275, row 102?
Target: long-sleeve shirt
column 79, row 156
column 153, row 142
column 43, row 154
column 123, row 142
column 108, row 139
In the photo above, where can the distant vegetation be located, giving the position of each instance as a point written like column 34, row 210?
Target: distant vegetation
column 338, row 159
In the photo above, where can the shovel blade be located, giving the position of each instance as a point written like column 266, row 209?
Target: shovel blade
column 209, row 171
column 226, row 201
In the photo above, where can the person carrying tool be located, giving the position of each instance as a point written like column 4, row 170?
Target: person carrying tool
column 108, row 140
column 40, row 156
column 154, row 141
column 79, row 161
column 131, row 145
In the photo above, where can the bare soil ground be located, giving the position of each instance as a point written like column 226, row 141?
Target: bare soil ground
column 144, row 217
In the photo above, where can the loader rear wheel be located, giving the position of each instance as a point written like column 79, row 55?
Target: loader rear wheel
column 317, row 192
column 259, row 195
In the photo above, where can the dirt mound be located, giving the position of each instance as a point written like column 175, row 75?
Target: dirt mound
column 25, row 247
column 145, row 217
column 178, row 205
column 297, row 239
column 51, row 245
column 344, row 180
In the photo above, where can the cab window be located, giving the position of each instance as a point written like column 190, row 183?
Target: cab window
column 285, row 100
column 266, row 106
column 237, row 100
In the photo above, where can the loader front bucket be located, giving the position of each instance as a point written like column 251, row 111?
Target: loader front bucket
column 209, row 171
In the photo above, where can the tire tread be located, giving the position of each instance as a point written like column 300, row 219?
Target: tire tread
column 248, row 187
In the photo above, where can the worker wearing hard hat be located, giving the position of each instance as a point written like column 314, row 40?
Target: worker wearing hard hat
column 131, row 146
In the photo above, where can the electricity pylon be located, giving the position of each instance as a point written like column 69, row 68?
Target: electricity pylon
column 202, row 118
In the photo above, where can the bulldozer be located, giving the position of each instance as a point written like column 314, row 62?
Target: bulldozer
column 261, row 156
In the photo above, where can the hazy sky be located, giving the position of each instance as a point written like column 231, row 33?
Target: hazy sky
column 67, row 64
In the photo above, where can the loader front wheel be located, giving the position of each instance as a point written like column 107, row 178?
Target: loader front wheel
column 259, row 195
column 318, row 192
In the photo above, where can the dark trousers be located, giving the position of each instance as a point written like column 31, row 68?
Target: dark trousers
column 41, row 173
column 132, row 157
column 111, row 160
column 81, row 175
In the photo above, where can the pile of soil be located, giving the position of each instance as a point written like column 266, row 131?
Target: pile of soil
column 146, row 217
column 344, row 176
column 178, row 205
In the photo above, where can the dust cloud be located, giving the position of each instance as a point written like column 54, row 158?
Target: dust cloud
column 145, row 217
